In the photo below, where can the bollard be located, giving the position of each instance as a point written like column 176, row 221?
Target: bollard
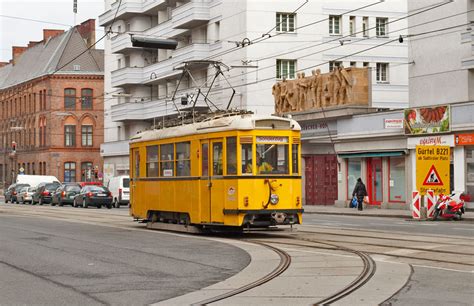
column 430, row 203
column 415, row 205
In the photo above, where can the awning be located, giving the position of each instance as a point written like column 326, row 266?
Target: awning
column 372, row 154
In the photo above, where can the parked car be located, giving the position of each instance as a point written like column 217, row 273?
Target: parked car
column 92, row 195
column 25, row 194
column 65, row 194
column 119, row 186
column 44, row 192
column 12, row 191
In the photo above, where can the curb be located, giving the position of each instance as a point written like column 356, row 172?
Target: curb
column 465, row 219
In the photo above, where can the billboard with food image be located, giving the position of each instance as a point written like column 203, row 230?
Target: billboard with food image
column 427, row 120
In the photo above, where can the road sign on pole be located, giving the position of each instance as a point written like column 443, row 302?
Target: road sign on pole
column 432, row 169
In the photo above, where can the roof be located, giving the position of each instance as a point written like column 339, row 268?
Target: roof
column 48, row 56
column 240, row 122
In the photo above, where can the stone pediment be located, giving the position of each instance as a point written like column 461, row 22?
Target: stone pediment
column 342, row 86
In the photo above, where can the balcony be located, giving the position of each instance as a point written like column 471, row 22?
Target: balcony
column 114, row 148
column 122, row 43
column 468, row 38
column 127, row 9
column 164, row 68
column 127, row 76
column 129, row 111
column 191, row 15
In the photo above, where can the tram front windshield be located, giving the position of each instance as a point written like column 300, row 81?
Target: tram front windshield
column 272, row 159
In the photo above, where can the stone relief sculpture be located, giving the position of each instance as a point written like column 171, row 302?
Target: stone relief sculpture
column 322, row 90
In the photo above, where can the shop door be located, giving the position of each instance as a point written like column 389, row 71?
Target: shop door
column 374, row 180
column 321, row 179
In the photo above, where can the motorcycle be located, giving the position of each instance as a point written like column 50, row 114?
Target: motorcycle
column 450, row 206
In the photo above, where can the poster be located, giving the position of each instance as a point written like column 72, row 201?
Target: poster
column 427, row 120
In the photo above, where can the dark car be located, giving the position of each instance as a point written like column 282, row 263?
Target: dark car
column 43, row 193
column 12, row 192
column 93, row 196
column 65, row 194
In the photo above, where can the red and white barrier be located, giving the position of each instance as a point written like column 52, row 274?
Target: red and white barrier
column 430, row 203
column 416, row 205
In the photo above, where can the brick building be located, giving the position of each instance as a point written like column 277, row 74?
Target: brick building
column 51, row 106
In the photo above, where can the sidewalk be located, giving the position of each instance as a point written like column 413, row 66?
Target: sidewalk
column 368, row 212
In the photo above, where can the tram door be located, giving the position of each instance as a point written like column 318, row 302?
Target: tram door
column 212, row 185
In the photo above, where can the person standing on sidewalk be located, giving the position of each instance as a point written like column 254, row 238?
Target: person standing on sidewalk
column 360, row 191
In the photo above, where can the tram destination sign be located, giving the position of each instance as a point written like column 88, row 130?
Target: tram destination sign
column 432, row 169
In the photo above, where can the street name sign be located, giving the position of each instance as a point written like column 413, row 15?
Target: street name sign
column 432, row 169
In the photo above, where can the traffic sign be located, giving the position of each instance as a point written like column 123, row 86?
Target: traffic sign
column 432, row 169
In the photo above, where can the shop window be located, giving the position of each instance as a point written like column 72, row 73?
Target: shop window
column 152, row 161
column 353, row 173
column 183, row 161
column 166, row 160
column 231, row 150
column 470, row 171
column 397, row 179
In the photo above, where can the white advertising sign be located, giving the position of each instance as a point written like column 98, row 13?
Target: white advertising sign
column 393, row 123
column 440, row 140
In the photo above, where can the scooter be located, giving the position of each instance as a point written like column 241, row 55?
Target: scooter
column 450, row 206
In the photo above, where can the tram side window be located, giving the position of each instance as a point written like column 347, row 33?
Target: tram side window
column 136, row 157
column 272, row 159
column 167, row 160
column 183, row 162
column 246, row 158
column 217, row 158
column 152, row 161
column 231, row 151
column 295, row 158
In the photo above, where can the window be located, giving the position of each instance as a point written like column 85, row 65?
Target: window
column 69, row 98
column 353, row 173
column 205, row 159
column 334, row 25
column 167, row 160
column 285, row 22
column 231, row 152
column 86, row 171
column 469, row 166
column 352, row 25
column 70, row 135
column 69, row 172
column 152, row 161
column 366, row 64
column 381, row 27
column 272, row 158
column 295, row 159
column 353, row 64
column 285, row 69
column 365, row 26
column 183, row 162
column 86, row 133
column 397, row 179
column 382, row 72
column 217, row 158
column 86, row 98
column 334, row 64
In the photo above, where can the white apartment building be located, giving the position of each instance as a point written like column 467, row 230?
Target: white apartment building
column 300, row 37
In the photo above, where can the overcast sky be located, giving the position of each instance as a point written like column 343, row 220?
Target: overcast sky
column 53, row 14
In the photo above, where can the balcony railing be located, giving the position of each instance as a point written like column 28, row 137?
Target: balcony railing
column 114, row 148
column 192, row 14
column 127, row 76
column 127, row 7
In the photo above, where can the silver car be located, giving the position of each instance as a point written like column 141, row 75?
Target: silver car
column 25, row 194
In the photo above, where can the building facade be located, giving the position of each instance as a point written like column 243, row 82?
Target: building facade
column 259, row 44
column 51, row 110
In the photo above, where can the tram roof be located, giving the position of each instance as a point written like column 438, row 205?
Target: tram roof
column 229, row 123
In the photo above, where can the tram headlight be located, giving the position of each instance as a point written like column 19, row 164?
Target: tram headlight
column 274, row 199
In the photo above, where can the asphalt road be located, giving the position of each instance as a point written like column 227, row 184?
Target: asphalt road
column 399, row 225
column 50, row 262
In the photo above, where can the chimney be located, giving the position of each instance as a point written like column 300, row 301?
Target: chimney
column 48, row 33
column 33, row 43
column 16, row 52
column 87, row 31
column 3, row 64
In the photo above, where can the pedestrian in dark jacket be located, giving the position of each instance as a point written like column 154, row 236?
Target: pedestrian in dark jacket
column 360, row 192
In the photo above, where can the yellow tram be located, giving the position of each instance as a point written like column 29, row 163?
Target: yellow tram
column 240, row 171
